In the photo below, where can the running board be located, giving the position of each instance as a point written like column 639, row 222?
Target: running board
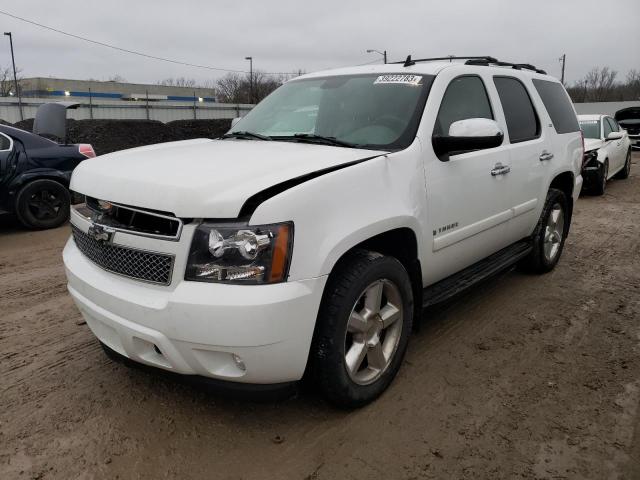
column 458, row 282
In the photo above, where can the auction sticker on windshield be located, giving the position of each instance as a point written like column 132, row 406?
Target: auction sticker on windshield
column 406, row 79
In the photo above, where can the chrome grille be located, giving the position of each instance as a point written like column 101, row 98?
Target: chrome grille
column 130, row 262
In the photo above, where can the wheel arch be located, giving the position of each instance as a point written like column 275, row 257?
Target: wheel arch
column 402, row 244
column 565, row 182
column 41, row 174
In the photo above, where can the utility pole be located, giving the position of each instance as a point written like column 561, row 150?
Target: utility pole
column 563, row 59
column 15, row 76
column 90, row 104
column 250, row 78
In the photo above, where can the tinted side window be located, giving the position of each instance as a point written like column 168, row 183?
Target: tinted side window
column 557, row 103
column 614, row 125
column 522, row 121
column 5, row 142
column 606, row 126
column 465, row 98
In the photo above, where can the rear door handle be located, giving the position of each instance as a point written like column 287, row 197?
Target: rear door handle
column 544, row 156
column 500, row 169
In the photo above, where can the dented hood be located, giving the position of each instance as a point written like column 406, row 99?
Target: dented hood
column 204, row 178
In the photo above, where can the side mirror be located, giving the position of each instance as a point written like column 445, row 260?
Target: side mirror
column 234, row 121
column 615, row 136
column 466, row 136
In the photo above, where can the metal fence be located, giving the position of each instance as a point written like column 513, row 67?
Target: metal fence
column 128, row 110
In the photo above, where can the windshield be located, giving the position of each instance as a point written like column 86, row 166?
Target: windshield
column 369, row 111
column 590, row 128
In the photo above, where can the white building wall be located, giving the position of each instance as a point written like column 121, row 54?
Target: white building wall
column 605, row 108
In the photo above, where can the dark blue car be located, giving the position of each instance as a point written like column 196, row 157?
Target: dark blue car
column 35, row 174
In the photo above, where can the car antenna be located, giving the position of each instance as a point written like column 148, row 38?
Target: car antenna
column 408, row 62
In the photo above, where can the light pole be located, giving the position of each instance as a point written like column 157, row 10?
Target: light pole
column 15, row 76
column 250, row 78
column 384, row 54
column 563, row 60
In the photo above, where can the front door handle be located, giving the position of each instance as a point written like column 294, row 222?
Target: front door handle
column 544, row 156
column 500, row 169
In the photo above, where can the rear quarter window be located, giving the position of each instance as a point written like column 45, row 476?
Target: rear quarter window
column 557, row 103
column 521, row 117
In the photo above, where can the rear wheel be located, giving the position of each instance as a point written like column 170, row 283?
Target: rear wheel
column 549, row 235
column 363, row 329
column 624, row 173
column 43, row 204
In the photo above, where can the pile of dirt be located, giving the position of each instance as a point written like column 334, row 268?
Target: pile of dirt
column 108, row 136
column 186, row 129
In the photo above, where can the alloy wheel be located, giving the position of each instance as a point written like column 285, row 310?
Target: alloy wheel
column 553, row 232
column 373, row 332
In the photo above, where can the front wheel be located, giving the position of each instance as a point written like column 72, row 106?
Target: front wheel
column 363, row 328
column 601, row 179
column 549, row 235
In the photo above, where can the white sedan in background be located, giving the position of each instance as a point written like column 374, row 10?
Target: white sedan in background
column 607, row 151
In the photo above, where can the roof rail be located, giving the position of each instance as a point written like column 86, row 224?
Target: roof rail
column 478, row 60
column 409, row 61
column 516, row 66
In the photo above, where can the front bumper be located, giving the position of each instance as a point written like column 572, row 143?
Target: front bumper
column 196, row 328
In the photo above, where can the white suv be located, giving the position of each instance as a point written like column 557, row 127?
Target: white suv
column 309, row 238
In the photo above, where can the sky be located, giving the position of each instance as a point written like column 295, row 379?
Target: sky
column 287, row 35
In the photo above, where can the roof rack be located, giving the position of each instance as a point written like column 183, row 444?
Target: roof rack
column 480, row 60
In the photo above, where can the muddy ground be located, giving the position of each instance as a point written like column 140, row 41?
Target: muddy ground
column 523, row 377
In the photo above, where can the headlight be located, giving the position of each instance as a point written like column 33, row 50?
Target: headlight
column 236, row 253
column 589, row 156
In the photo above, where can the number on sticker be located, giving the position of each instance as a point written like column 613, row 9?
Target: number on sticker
column 399, row 78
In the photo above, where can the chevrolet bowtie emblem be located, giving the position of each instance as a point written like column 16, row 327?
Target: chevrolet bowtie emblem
column 100, row 233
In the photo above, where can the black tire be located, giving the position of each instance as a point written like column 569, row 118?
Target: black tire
column 600, row 182
column 624, row 173
column 345, row 288
column 538, row 261
column 43, row 204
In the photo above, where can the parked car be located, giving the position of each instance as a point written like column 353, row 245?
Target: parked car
column 268, row 253
column 35, row 173
column 629, row 119
column 607, row 151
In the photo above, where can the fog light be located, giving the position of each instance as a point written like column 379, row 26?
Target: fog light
column 239, row 363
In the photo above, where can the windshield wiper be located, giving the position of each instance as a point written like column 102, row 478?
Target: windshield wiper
column 246, row 135
column 313, row 138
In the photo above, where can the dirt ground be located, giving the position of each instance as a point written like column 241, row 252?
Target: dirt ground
column 523, row 377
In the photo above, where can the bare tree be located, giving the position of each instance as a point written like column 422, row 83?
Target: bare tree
column 238, row 88
column 600, row 85
column 117, row 78
column 632, row 86
column 7, row 84
column 600, row 82
column 179, row 82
